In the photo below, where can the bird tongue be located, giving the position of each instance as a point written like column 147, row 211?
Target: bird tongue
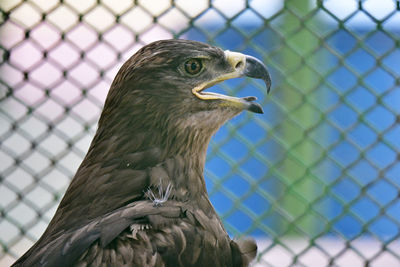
column 253, row 106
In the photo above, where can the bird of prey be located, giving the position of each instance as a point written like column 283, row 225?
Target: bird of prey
column 139, row 197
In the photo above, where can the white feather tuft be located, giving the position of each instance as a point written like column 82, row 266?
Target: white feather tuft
column 161, row 197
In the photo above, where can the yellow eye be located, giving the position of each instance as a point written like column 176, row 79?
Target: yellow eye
column 193, row 66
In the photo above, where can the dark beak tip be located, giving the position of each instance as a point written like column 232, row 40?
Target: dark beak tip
column 268, row 85
column 256, row 69
column 256, row 108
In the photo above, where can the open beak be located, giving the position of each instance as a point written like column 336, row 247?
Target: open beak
column 242, row 65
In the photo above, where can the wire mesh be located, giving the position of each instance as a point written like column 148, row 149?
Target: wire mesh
column 315, row 180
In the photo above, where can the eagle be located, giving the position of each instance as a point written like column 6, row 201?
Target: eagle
column 139, row 196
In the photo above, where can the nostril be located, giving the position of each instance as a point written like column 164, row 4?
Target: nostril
column 239, row 65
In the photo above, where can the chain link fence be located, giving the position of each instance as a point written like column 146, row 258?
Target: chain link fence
column 315, row 179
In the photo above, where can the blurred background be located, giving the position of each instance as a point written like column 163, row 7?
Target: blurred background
column 315, row 179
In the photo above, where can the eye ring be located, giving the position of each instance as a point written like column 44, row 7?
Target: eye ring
column 193, row 66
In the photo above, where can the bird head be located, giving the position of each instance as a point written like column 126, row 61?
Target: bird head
column 162, row 88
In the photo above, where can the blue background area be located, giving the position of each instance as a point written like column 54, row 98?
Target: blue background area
column 361, row 169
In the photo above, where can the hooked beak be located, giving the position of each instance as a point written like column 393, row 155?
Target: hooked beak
column 241, row 65
column 256, row 69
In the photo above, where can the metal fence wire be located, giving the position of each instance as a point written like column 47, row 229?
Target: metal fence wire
column 315, row 179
